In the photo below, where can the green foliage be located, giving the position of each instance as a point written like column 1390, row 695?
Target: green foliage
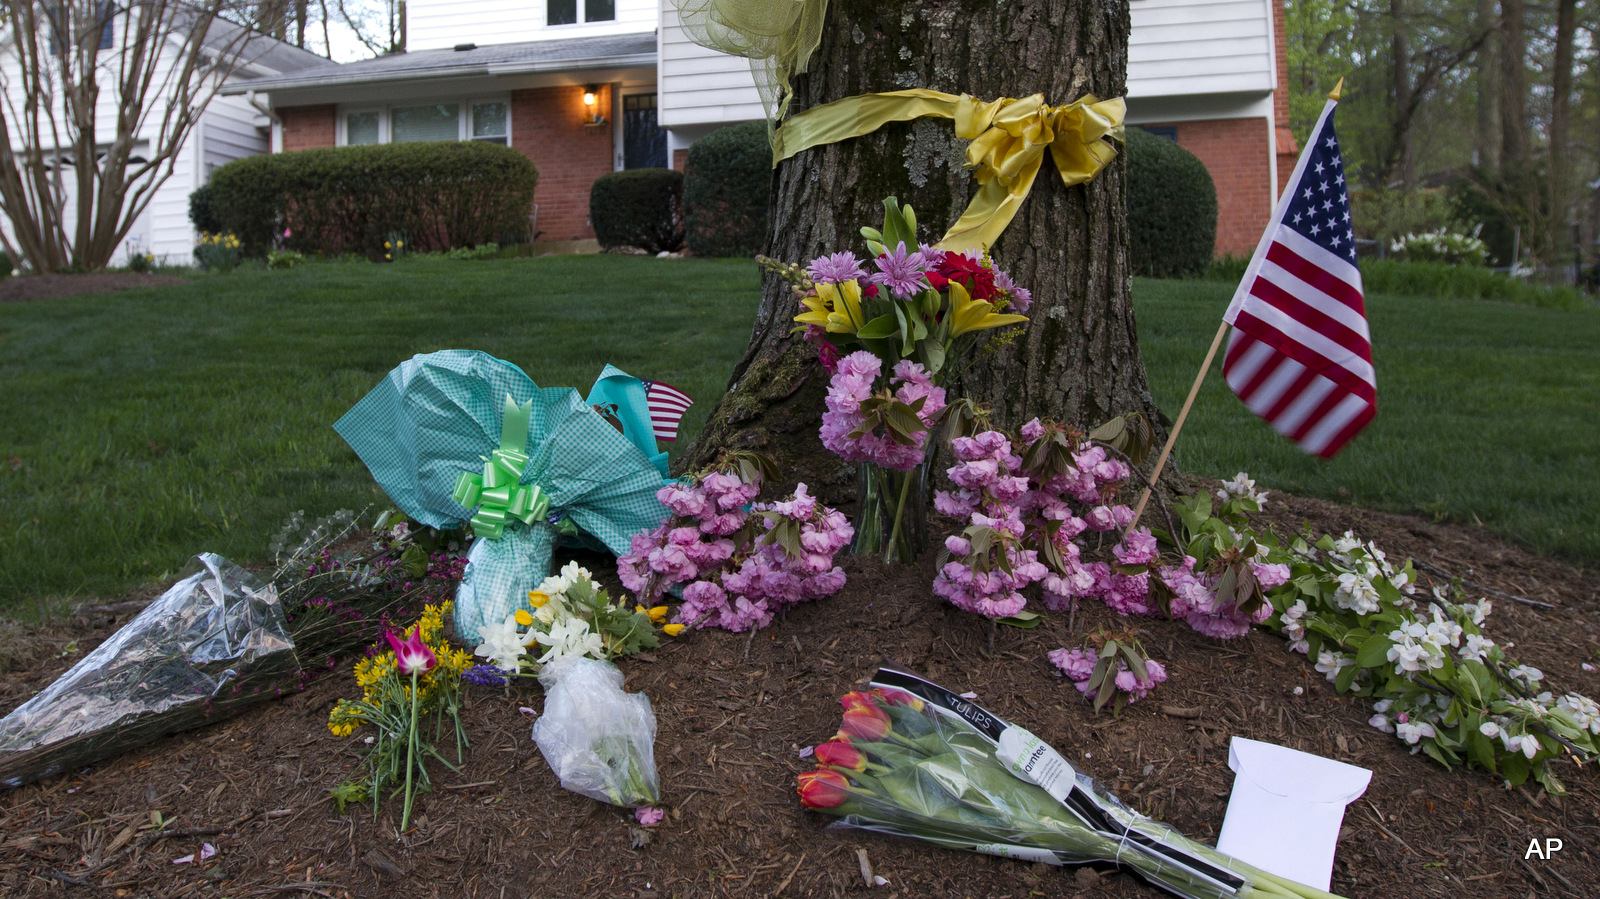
column 638, row 208
column 6, row 265
column 203, row 210
column 1512, row 206
column 1172, row 208
column 725, row 191
column 1384, row 215
column 341, row 200
column 1432, row 279
column 218, row 252
column 141, row 263
column 1441, row 246
column 481, row 251
column 282, row 259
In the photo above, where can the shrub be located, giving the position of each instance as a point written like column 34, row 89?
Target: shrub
column 203, row 210
column 141, row 263
column 351, row 199
column 481, row 251
column 1172, row 208
column 725, row 191
column 6, row 265
column 1435, row 279
column 1441, row 246
column 638, row 208
column 284, row 259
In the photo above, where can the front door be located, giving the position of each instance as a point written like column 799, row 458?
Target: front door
column 644, row 143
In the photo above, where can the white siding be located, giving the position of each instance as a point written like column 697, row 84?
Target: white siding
column 1178, row 48
column 698, row 86
column 1189, row 47
column 439, row 24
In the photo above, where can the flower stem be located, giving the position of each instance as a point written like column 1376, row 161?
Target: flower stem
column 890, row 552
column 411, row 746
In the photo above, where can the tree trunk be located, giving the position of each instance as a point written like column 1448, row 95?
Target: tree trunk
column 1513, row 84
column 1405, row 164
column 1078, row 360
column 1487, row 146
column 1561, row 117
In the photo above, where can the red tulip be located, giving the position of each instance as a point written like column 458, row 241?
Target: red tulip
column 838, row 753
column 856, row 699
column 823, row 789
column 900, row 697
column 867, row 723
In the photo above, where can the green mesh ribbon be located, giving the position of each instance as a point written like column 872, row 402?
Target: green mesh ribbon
column 777, row 36
column 459, row 435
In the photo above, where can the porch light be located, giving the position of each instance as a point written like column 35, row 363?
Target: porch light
column 591, row 112
column 589, row 97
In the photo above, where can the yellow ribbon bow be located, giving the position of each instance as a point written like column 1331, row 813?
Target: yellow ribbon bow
column 1008, row 141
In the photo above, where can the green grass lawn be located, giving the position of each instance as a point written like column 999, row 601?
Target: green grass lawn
column 1487, row 412
column 139, row 428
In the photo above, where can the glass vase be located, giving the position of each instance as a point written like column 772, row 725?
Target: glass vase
column 892, row 513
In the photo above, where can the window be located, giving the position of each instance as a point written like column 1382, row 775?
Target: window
column 362, row 127
column 441, row 121
column 489, row 122
column 565, row 12
column 1170, row 132
column 108, row 18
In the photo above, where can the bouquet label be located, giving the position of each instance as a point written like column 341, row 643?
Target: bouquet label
column 1035, row 761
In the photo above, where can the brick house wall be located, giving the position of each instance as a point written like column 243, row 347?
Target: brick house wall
column 309, row 127
column 1236, row 153
column 1288, row 151
column 547, row 125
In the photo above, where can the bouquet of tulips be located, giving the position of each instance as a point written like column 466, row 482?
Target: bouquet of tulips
column 913, row 759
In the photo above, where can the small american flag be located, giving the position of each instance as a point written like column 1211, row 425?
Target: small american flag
column 1301, row 355
column 667, row 405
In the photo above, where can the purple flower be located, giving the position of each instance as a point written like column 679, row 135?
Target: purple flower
column 1021, row 298
column 836, row 268
column 902, row 272
column 485, row 675
column 648, row 816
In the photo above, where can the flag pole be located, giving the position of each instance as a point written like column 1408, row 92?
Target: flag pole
column 1205, row 367
column 1161, row 461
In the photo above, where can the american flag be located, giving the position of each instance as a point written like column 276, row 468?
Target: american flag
column 1300, row 355
column 667, row 405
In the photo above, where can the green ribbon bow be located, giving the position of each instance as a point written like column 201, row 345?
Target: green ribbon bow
column 502, row 499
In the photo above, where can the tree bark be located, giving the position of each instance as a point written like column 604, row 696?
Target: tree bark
column 1078, row 359
column 1487, row 145
column 1513, row 83
column 1405, row 157
column 1561, row 117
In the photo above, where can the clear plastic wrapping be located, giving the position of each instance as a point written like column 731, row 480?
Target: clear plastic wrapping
column 215, row 642
column 915, row 760
column 598, row 738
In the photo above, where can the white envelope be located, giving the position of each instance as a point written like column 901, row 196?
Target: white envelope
column 1286, row 807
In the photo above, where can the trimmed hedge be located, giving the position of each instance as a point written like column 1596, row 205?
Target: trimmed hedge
column 337, row 200
column 725, row 191
column 638, row 208
column 202, row 211
column 1172, row 208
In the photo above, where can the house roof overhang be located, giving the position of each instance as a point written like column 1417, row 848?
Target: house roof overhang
column 496, row 60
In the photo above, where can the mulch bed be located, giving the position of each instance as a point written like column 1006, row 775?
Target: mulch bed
column 734, row 712
column 48, row 287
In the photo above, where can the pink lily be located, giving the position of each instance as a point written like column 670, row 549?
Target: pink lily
column 411, row 655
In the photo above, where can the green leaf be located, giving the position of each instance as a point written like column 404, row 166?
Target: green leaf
column 1135, row 662
column 878, row 328
column 1482, row 750
column 1346, row 678
column 1108, row 686
column 1374, row 652
column 1022, row 619
column 1515, row 768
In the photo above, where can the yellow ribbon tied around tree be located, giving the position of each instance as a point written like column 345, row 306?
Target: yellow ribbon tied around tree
column 1008, row 137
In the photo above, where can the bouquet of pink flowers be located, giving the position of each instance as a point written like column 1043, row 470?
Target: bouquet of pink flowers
column 908, row 320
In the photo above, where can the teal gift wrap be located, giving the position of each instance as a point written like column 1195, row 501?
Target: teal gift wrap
column 458, row 436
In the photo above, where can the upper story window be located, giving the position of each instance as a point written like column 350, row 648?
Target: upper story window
column 567, row 12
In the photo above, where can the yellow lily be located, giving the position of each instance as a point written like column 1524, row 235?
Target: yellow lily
column 967, row 314
column 836, row 307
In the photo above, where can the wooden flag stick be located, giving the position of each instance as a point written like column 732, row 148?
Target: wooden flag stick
column 1161, row 461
